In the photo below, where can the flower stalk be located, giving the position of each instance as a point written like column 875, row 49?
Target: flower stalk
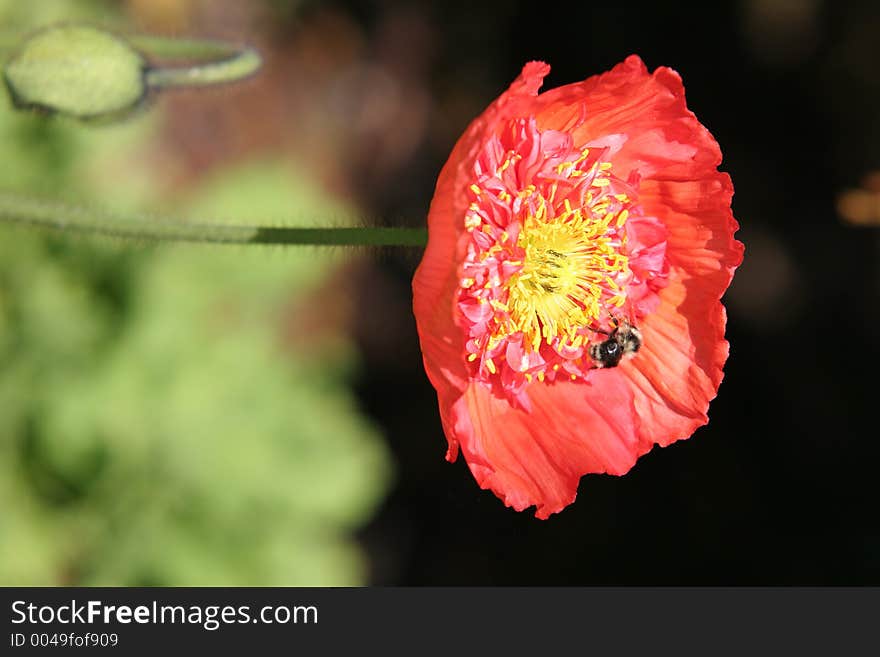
column 216, row 62
column 57, row 216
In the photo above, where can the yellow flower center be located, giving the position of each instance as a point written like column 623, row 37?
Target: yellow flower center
column 570, row 260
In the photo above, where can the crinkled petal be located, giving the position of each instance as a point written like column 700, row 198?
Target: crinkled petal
column 435, row 280
column 679, row 368
column 649, row 109
column 537, row 457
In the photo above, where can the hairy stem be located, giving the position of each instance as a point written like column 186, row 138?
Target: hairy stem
column 53, row 215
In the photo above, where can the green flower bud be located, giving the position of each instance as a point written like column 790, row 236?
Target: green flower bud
column 77, row 70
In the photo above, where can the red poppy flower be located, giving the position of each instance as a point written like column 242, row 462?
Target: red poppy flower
column 568, row 302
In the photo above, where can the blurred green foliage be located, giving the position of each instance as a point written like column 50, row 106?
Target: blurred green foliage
column 158, row 423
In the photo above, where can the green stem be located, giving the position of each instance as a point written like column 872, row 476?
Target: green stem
column 223, row 62
column 57, row 216
column 200, row 50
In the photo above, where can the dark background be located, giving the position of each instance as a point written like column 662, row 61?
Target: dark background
column 780, row 487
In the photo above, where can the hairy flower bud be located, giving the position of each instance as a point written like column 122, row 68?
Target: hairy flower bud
column 78, row 70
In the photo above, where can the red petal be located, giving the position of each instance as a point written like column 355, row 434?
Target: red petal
column 537, row 457
column 662, row 135
column 436, row 278
column 679, row 368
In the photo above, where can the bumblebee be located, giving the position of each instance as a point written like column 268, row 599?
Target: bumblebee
column 624, row 340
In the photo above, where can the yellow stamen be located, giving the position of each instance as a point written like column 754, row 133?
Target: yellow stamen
column 569, row 260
